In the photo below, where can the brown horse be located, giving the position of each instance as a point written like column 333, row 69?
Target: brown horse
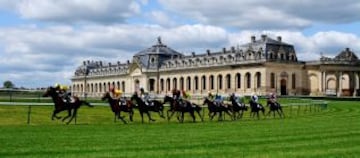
column 145, row 109
column 117, row 108
column 60, row 105
column 213, row 109
column 187, row 107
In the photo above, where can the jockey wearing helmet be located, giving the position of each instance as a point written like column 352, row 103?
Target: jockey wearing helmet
column 272, row 98
column 115, row 93
column 62, row 92
column 145, row 96
column 211, row 96
column 218, row 100
column 254, row 98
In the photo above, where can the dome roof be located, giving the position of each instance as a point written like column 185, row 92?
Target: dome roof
column 160, row 49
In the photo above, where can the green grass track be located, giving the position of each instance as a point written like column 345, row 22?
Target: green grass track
column 333, row 132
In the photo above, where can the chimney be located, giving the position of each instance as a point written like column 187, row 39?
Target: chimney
column 208, row 52
column 118, row 62
column 233, row 49
column 193, row 54
column 101, row 63
column 253, row 39
column 84, row 63
column 88, row 62
column 347, row 49
column 224, row 50
column 263, row 37
column 128, row 61
column 279, row 38
column 109, row 64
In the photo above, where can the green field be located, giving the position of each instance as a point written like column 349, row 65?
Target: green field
column 333, row 132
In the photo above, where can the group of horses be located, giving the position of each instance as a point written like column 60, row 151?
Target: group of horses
column 234, row 110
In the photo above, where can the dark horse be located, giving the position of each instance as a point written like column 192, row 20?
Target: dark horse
column 125, row 106
column 237, row 107
column 213, row 109
column 60, row 105
column 156, row 106
column 255, row 108
column 275, row 106
column 187, row 107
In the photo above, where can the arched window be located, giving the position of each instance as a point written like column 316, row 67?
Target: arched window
column 211, row 82
column 272, row 80
column 123, row 86
column 220, row 82
column 248, row 80
column 258, row 79
column 238, row 80
column 174, row 83
column 182, row 83
column 100, row 89
column 104, row 87
column 228, row 81
column 161, row 84
column 118, row 85
column 203, row 82
column 168, row 84
column 196, row 83
column 188, row 81
column 91, row 87
column 152, row 85
column 293, row 79
column 96, row 87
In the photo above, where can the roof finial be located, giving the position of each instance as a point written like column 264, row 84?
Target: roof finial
column 159, row 40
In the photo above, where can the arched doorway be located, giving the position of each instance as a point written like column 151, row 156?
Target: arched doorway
column 137, row 85
column 283, row 87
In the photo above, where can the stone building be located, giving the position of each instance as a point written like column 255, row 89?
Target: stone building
column 261, row 66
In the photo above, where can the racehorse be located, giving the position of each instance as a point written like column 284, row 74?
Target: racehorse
column 255, row 108
column 275, row 106
column 155, row 106
column 237, row 107
column 60, row 105
column 186, row 107
column 213, row 109
column 125, row 106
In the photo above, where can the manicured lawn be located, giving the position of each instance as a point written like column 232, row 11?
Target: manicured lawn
column 333, row 132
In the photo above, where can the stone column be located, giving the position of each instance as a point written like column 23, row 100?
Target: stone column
column 356, row 83
column 339, row 84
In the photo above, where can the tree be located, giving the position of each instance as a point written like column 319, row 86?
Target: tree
column 8, row 84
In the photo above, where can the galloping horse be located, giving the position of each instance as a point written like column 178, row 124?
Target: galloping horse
column 187, row 107
column 213, row 109
column 143, row 108
column 275, row 106
column 117, row 108
column 237, row 107
column 60, row 105
column 255, row 108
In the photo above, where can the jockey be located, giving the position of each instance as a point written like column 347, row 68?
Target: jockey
column 115, row 93
column 272, row 98
column 218, row 100
column 211, row 96
column 62, row 91
column 145, row 96
column 255, row 99
column 238, row 99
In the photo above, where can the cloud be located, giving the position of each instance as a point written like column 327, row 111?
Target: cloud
column 78, row 11
column 263, row 14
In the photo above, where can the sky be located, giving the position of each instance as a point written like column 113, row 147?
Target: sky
column 42, row 42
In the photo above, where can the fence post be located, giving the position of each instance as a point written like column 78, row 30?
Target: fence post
column 29, row 113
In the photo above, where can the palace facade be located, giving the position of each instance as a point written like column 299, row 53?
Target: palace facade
column 261, row 66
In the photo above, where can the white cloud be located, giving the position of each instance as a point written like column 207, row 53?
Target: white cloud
column 65, row 11
column 264, row 14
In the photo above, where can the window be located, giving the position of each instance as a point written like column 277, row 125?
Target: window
column 182, row 83
column 272, row 80
column 248, row 80
column 293, row 76
column 258, row 80
column 211, row 82
column 238, row 80
column 220, row 82
column 123, row 86
column 168, row 84
column 203, row 82
column 151, row 84
column 228, row 81
column 196, row 83
column 188, row 81
column 161, row 84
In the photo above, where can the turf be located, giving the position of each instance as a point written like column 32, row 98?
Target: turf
column 332, row 132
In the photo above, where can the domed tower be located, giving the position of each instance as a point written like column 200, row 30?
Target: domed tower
column 151, row 58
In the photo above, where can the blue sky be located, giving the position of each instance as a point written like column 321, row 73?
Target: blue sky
column 42, row 42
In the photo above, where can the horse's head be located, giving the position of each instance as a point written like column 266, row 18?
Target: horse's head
column 206, row 101
column 51, row 91
column 105, row 96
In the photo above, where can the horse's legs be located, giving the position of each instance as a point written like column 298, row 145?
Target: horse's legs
column 142, row 116
column 121, row 118
column 228, row 113
column 161, row 114
column 220, row 116
column 171, row 114
column 54, row 115
column 211, row 115
column 201, row 117
column 73, row 116
column 149, row 116
column 131, row 114
column 69, row 114
column 193, row 116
